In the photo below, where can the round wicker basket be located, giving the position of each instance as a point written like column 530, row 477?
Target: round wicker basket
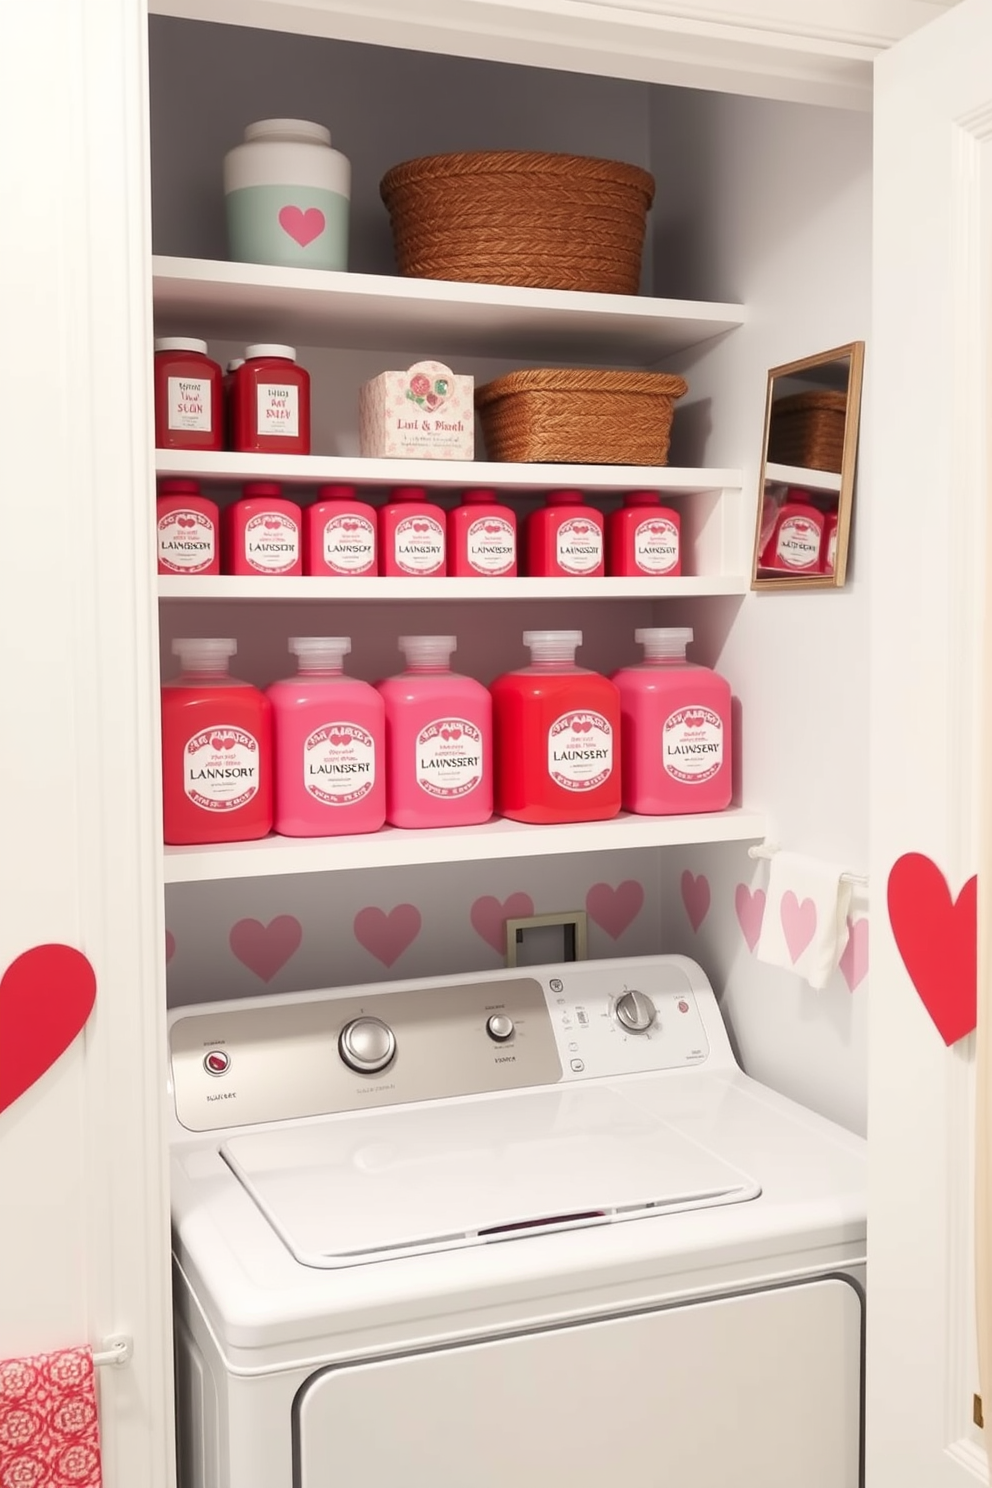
column 520, row 217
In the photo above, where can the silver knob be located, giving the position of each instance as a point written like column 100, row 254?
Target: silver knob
column 500, row 1027
column 366, row 1045
column 635, row 1012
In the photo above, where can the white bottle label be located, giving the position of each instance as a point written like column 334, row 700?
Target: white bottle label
column 349, row 543
column 278, row 409
column 221, row 768
column 580, row 751
column 449, row 758
column 339, row 764
column 491, row 544
column 272, row 542
column 579, row 545
column 798, row 544
column 692, row 745
column 187, row 541
column 189, row 403
column 419, row 545
column 656, row 546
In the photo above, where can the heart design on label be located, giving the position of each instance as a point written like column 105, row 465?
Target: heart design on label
column 491, row 527
column 46, row 996
column 304, row 227
column 488, row 917
column 451, row 733
column 695, row 897
column 185, row 521
column 384, row 936
column 750, row 910
column 798, row 923
column 854, row 958
column 265, row 949
column 272, row 524
column 338, row 740
column 350, row 526
column 937, row 938
column 694, row 722
column 420, row 527
column 582, row 728
column 614, row 909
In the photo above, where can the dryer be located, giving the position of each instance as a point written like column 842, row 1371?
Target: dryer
column 513, row 1228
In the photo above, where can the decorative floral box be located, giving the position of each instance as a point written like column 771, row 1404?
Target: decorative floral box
column 424, row 413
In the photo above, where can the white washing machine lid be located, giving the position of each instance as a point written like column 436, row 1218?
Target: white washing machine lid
column 392, row 1182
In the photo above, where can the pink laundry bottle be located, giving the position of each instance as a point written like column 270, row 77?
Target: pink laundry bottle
column 339, row 535
column 411, row 535
column 482, row 537
column 565, row 538
column 262, row 533
column 642, row 538
column 329, row 745
column 438, row 740
column 676, row 730
column 555, row 730
column 187, row 529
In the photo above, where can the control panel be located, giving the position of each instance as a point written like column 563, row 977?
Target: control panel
column 275, row 1059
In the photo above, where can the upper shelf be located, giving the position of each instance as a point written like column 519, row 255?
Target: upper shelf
column 371, row 312
column 798, row 475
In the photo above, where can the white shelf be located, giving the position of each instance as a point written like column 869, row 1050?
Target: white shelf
column 377, row 590
column 311, row 307
column 393, row 848
column 309, row 470
column 797, row 475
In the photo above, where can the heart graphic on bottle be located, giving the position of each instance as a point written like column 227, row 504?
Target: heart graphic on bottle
column 582, row 728
column 350, row 526
column 272, row 524
column 657, row 529
column 220, row 743
column 581, row 527
column 694, row 722
column 800, row 526
column 451, row 733
column 185, row 521
column 420, row 527
column 302, row 226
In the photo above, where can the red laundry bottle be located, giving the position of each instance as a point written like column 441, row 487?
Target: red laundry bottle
column 216, row 749
column 556, row 736
column 262, row 533
column 189, row 396
column 411, row 535
column 797, row 537
column 565, row 538
column 187, row 529
column 271, row 402
column 339, row 535
column 642, row 538
column 482, row 537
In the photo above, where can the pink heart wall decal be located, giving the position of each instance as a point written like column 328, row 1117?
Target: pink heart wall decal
column 937, row 938
column 265, row 949
column 798, row 922
column 170, row 946
column 854, row 957
column 46, row 996
column 750, row 909
column 695, row 897
column 613, row 909
column 384, row 936
column 302, row 226
column 488, row 917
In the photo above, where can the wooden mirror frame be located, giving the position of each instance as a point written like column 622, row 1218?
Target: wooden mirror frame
column 765, row 581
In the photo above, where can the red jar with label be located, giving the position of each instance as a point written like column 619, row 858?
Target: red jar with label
column 187, row 529
column 482, row 537
column 797, row 537
column 339, row 535
column 411, row 536
column 263, row 533
column 642, row 538
column 271, row 402
column 565, row 539
column 189, row 396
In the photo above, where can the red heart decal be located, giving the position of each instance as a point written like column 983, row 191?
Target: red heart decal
column 750, row 910
column 265, row 949
column 491, row 527
column 659, row 531
column 302, row 227
column 854, row 959
column 420, row 527
column 337, row 739
column 695, row 897
column 170, row 946
column 46, row 996
column 386, row 937
column 938, row 942
column 185, row 521
column 694, row 722
column 613, row 909
column 489, row 916
column 350, row 526
column 272, row 524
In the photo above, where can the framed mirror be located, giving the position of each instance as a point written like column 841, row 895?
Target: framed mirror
column 808, row 458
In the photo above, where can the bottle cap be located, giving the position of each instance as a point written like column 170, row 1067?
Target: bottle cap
column 180, row 343
column 564, row 498
column 427, row 651
column 408, row 493
column 178, row 485
column 264, row 349
column 320, row 653
column 288, row 129
column 199, row 655
column 235, row 363
column 663, row 642
column 470, row 498
column 552, row 645
column 261, row 488
column 337, row 493
column 642, row 498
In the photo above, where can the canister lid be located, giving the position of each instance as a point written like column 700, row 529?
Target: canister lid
column 301, row 130
column 180, row 343
column 263, row 349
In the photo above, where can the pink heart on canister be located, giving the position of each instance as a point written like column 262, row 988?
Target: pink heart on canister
column 798, row 922
column 489, row 916
column 265, row 949
column 750, row 913
column 613, row 909
column 302, row 226
column 695, row 897
column 387, row 936
column 854, row 957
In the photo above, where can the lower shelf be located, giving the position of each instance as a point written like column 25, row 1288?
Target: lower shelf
column 394, row 847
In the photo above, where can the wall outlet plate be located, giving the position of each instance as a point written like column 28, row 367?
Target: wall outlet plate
column 574, row 925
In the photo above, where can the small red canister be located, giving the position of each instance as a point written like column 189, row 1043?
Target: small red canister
column 797, row 537
column 642, row 538
column 262, row 533
column 565, row 538
column 411, row 535
column 271, row 403
column 189, row 396
column 482, row 537
column 187, row 529
column 339, row 534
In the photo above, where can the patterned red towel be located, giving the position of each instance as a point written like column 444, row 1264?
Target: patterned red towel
column 49, row 1432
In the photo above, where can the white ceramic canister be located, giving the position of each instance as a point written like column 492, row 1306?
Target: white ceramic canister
column 287, row 195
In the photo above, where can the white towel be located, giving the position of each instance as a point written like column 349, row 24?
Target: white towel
column 804, row 927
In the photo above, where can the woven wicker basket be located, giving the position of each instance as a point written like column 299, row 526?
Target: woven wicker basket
column 807, row 429
column 557, row 416
column 515, row 217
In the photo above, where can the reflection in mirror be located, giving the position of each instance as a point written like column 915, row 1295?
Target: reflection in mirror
column 807, row 471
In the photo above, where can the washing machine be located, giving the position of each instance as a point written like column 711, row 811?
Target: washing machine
column 531, row 1227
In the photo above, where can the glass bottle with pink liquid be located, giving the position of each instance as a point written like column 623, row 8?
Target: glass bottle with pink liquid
column 438, row 740
column 675, row 730
column 330, row 751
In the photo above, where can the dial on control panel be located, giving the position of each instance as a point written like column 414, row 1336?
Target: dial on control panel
column 500, row 1027
column 367, row 1045
column 635, row 1012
